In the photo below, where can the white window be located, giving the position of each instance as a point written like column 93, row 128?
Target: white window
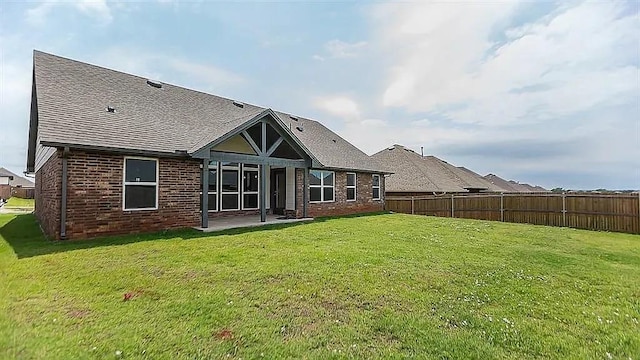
column 321, row 187
column 250, row 186
column 375, row 186
column 140, row 184
column 351, row 186
column 213, row 186
column 230, row 186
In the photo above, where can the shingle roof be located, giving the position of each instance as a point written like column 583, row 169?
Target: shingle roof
column 415, row 173
column 72, row 99
column 472, row 178
column 17, row 180
column 512, row 186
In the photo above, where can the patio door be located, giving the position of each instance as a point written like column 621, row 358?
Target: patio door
column 278, row 190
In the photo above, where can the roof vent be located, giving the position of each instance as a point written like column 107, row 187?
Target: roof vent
column 293, row 117
column 391, row 148
column 334, row 140
column 238, row 104
column 300, row 128
column 111, row 109
column 154, row 83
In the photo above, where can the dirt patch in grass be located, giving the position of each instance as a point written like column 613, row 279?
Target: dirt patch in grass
column 224, row 334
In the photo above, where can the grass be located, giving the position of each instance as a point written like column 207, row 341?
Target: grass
column 15, row 202
column 384, row 286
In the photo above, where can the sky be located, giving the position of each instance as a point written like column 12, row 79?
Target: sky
column 542, row 92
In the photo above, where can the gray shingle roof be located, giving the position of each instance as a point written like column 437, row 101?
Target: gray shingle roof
column 415, row 173
column 73, row 97
column 17, row 180
column 512, row 186
column 476, row 180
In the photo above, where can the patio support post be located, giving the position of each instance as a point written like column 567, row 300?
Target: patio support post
column 263, row 175
column 205, row 193
column 305, row 188
column 263, row 193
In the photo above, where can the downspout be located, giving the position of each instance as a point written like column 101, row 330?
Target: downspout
column 63, row 201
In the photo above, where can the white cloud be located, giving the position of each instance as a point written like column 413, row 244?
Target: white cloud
column 578, row 57
column 97, row 9
column 338, row 49
column 510, row 88
column 37, row 15
column 340, row 106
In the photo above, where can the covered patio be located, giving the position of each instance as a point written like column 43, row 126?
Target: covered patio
column 246, row 221
column 236, row 168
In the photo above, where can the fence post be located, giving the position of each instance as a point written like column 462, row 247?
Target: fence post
column 564, row 209
column 412, row 206
column 502, row 207
column 638, row 211
column 452, row 214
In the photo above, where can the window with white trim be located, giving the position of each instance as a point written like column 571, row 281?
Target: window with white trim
column 250, row 186
column 213, row 186
column 321, row 188
column 140, row 184
column 351, row 186
column 230, row 186
column 375, row 187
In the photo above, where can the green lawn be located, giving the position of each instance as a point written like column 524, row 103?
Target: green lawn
column 384, row 286
column 15, row 202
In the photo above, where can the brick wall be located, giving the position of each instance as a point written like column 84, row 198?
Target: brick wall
column 223, row 214
column 340, row 206
column 94, row 197
column 47, row 196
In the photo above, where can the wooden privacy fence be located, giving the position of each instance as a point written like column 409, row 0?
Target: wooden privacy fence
column 619, row 212
column 24, row 193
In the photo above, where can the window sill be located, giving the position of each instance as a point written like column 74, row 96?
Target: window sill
column 141, row 209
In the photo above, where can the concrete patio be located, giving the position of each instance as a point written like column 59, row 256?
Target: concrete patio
column 235, row 222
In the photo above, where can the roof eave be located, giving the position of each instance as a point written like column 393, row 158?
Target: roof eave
column 125, row 151
column 373, row 171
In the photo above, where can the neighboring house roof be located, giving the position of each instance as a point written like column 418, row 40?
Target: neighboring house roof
column 16, row 180
column 415, row 173
column 512, row 186
column 472, row 178
column 72, row 98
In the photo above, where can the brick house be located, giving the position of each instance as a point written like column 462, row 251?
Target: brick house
column 115, row 153
column 14, row 185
